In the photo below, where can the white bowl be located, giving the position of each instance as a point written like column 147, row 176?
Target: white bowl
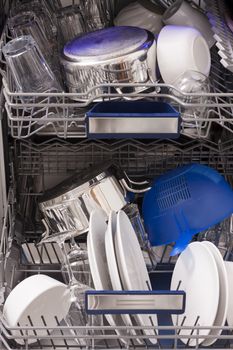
column 36, row 296
column 137, row 15
column 179, row 49
column 181, row 13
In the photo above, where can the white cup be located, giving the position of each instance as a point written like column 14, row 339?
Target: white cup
column 180, row 49
column 181, row 13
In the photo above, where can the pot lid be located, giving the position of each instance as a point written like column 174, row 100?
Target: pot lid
column 105, row 44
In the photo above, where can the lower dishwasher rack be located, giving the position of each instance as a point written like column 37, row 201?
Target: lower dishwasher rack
column 36, row 167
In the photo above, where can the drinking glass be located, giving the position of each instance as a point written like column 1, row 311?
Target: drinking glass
column 193, row 82
column 70, row 23
column 134, row 215
column 76, row 315
column 42, row 11
column 97, row 13
column 221, row 235
column 28, row 67
column 27, row 23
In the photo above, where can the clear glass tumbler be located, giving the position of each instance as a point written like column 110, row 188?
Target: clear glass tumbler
column 28, row 67
column 98, row 13
column 70, row 23
column 43, row 12
column 193, row 82
column 134, row 215
column 27, row 23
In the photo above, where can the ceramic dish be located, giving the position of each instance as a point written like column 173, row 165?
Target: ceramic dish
column 98, row 263
column 132, row 267
column 196, row 273
column 229, row 269
column 223, row 294
column 112, row 264
column 178, row 50
column 35, row 296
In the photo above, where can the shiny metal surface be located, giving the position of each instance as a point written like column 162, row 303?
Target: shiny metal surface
column 136, row 65
column 71, row 211
column 67, row 207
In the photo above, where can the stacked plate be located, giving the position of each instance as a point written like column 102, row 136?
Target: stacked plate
column 200, row 271
column 117, row 263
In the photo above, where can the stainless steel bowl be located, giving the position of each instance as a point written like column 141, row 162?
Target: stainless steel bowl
column 111, row 55
column 67, row 207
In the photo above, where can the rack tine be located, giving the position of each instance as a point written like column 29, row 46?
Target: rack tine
column 105, row 341
column 39, row 254
column 62, row 333
column 47, row 253
column 21, row 333
column 75, row 333
column 34, row 331
column 44, row 323
column 118, row 341
column 12, row 277
column 55, row 252
column 159, row 344
column 178, row 286
column 31, row 255
column 164, row 252
column 181, row 325
column 197, row 319
column 148, row 285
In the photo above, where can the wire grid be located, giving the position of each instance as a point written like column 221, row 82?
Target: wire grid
column 39, row 167
column 98, row 335
column 59, row 115
column 139, row 158
column 59, row 157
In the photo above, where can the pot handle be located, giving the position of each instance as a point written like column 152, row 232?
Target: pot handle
column 130, row 185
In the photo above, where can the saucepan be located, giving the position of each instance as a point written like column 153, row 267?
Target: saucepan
column 111, row 55
column 67, row 207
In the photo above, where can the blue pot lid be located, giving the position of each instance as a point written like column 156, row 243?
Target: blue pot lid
column 105, row 44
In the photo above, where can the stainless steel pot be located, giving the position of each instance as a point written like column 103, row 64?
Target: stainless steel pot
column 67, row 207
column 111, row 55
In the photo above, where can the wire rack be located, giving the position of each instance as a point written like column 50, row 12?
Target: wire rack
column 24, row 260
column 37, row 166
column 139, row 158
column 59, row 115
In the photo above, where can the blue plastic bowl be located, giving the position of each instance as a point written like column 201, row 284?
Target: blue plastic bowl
column 184, row 202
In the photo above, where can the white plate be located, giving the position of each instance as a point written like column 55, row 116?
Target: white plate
column 229, row 269
column 196, row 273
column 35, row 296
column 98, row 262
column 112, row 264
column 223, row 293
column 132, row 267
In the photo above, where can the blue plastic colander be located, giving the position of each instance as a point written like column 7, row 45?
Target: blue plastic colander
column 184, row 202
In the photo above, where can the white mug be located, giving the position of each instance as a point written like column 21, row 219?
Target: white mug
column 180, row 49
column 181, row 13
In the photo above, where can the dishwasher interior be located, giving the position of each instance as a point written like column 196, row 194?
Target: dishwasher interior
column 43, row 149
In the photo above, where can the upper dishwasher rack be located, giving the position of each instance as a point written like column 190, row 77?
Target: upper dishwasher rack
column 59, row 115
